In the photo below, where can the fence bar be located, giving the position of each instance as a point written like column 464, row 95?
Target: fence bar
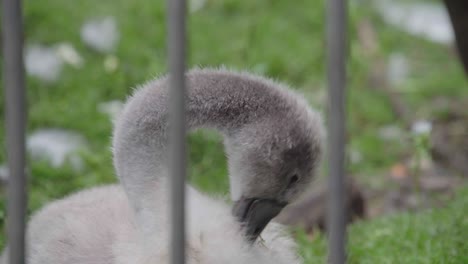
column 177, row 50
column 336, row 43
column 15, row 128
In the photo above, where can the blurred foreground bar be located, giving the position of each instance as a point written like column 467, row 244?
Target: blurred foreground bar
column 177, row 145
column 15, row 110
column 336, row 49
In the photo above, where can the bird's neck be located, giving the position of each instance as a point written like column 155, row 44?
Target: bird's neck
column 220, row 100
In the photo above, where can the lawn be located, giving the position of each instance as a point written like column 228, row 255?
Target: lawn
column 279, row 39
column 433, row 236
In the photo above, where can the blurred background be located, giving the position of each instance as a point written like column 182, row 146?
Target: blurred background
column 407, row 108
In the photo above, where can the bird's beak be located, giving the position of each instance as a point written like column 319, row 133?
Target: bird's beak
column 255, row 214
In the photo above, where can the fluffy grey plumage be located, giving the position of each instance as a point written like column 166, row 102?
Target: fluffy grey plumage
column 273, row 143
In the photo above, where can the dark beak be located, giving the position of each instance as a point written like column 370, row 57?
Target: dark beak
column 255, row 214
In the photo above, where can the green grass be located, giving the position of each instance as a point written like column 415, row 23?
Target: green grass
column 279, row 39
column 433, row 236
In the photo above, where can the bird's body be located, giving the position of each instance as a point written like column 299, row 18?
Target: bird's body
column 98, row 226
column 272, row 140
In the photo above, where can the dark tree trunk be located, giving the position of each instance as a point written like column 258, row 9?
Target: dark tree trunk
column 458, row 11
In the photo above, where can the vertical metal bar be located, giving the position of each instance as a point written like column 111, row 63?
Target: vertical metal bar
column 15, row 128
column 336, row 43
column 176, row 49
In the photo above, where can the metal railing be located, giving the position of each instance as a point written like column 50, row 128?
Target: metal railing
column 176, row 46
column 336, row 62
column 13, row 77
column 16, row 122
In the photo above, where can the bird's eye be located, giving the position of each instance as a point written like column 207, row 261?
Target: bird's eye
column 293, row 179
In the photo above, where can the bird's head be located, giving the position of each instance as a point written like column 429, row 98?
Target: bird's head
column 271, row 163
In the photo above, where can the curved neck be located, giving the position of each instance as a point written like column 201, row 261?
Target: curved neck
column 221, row 100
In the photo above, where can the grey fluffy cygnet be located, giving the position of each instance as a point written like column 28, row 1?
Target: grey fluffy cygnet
column 273, row 144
